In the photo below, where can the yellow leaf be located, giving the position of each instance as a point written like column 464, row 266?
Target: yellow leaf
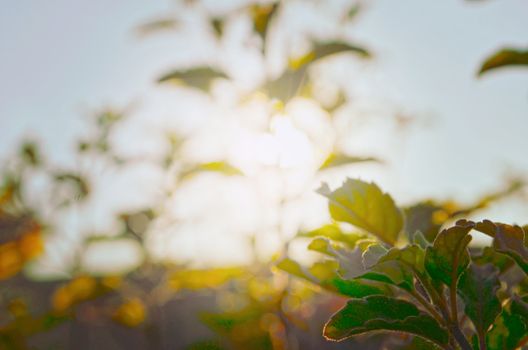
column 10, row 260
column 131, row 313
column 30, row 244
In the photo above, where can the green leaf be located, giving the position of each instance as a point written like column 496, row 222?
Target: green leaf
column 380, row 313
column 398, row 267
column 338, row 159
column 365, row 206
column 519, row 306
column 507, row 239
column 505, row 58
column 29, row 152
column 448, row 257
column 508, row 330
column 217, row 167
column 421, row 217
column 491, row 256
column 419, row 239
column 418, row 343
column 199, row 78
column 334, row 233
column 350, row 262
column 372, row 255
column 325, row 276
column 324, row 49
column 478, row 288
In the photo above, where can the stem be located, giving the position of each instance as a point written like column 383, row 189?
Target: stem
column 455, row 328
column 429, row 308
column 482, row 341
column 453, row 300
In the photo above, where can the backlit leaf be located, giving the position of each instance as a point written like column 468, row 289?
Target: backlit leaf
column 206, row 278
column 448, row 257
column 326, row 276
column 334, row 233
column 199, row 78
column 365, row 206
column 324, row 49
column 350, row 261
column 131, row 313
column 216, row 167
column 338, row 159
column 398, row 267
column 381, row 313
column 286, row 86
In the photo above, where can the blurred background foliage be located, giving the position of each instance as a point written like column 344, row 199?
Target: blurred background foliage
column 287, row 122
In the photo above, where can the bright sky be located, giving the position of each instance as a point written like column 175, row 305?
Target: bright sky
column 59, row 59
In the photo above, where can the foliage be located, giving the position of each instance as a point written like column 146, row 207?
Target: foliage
column 400, row 271
column 504, row 58
column 425, row 280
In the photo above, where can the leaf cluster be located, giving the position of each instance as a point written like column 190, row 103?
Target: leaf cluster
column 432, row 287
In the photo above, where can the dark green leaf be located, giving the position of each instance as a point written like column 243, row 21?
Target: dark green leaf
column 448, row 257
column 478, row 288
column 365, row 206
column 519, row 306
column 507, row 332
column 380, row 313
column 505, row 58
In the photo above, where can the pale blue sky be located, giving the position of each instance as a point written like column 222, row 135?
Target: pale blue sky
column 59, row 59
